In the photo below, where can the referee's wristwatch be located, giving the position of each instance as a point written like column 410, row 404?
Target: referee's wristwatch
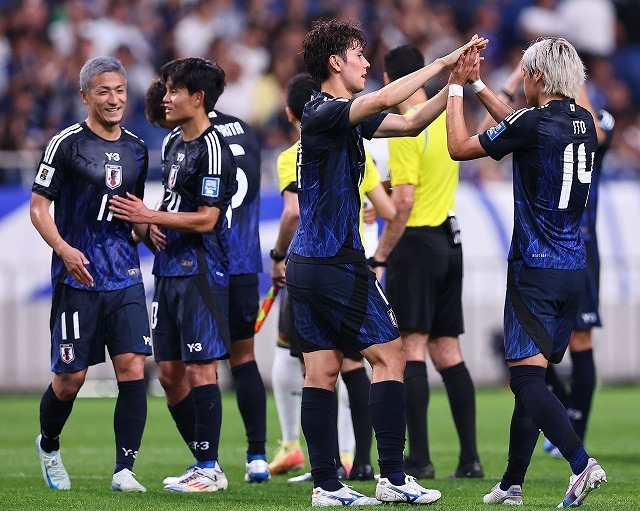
column 273, row 254
column 375, row 264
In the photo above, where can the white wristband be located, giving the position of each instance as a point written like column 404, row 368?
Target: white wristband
column 456, row 90
column 477, row 86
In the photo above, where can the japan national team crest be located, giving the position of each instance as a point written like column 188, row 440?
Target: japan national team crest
column 173, row 175
column 113, row 176
column 67, row 353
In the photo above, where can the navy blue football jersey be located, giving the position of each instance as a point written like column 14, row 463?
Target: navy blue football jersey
column 331, row 163
column 243, row 216
column 200, row 172
column 553, row 150
column 80, row 171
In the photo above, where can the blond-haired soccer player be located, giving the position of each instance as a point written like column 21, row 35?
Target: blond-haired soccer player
column 554, row 143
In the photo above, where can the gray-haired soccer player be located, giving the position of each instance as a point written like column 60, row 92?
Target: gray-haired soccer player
column 98, row 297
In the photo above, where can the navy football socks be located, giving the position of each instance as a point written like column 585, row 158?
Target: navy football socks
column 129, row 419
column 207, row 406
column 557, row 386
column 462, row 400
column 386, row 404
column 183, row 415
column 53, row 416
column 416, row 390
column 358, row 386
column 546, row 410
column 583, row 383
column 522, row 442
column 318, row 419
column 252, row 403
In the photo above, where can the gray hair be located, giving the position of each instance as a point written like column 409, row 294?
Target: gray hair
column 562, row 70
column 97, row 66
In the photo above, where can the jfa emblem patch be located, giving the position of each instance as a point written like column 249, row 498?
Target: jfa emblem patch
column 211, row 187
column 113, row 176
column 392, row 317
column 67, row 353
column 173, row 175
column 494, row 132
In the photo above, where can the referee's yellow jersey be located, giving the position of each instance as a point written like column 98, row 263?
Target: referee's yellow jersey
column 286, row 168
column 424, row 161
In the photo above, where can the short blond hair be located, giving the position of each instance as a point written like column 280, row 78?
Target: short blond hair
column 562, row 70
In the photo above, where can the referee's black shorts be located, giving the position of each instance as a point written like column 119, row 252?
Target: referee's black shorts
column 424, row 282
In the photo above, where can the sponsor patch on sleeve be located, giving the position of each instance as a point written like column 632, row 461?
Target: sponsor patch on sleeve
column 495, row 132
column 44, row 175
column 211, row 187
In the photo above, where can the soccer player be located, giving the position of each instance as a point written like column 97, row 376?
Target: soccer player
column 98, row 295
column 422, row 250
column 286, row 372
column 191, row 266
column 286, row 385
column 245, row 262
column 337, row 302
column 553, row 144
column 577, row 398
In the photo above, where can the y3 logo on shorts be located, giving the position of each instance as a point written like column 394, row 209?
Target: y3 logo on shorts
column 147, row 340
column 195, row 346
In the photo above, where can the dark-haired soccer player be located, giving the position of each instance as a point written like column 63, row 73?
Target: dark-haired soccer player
column 98, row 297
column 424, row 276
column 245, row 262
column 190, row 304
column 286, row 374
column 286, row 384
column 337, row 302
column 553, row 144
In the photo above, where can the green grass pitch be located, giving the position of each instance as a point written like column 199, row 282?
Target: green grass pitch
column 87, row 446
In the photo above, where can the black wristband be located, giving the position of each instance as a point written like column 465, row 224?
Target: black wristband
column 275, row 256
column 374, row 264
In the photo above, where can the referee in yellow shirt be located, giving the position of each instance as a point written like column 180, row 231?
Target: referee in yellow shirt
column 423, row 254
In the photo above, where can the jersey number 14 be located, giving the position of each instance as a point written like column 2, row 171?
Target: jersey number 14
column 568, row 164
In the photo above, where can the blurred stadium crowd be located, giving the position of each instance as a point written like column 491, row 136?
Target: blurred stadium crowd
column 44, row 43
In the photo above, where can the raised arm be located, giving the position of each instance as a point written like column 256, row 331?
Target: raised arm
column 584, row 101
column 506, row 96
column 411, row 125
column 399, row 90
column 460, row 145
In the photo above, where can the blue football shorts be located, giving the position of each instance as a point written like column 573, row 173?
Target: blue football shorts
column 84, row 322
column 244, row 302
column 540, row 310
column 589, row 310
column 189, row 319
column 339, row 306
